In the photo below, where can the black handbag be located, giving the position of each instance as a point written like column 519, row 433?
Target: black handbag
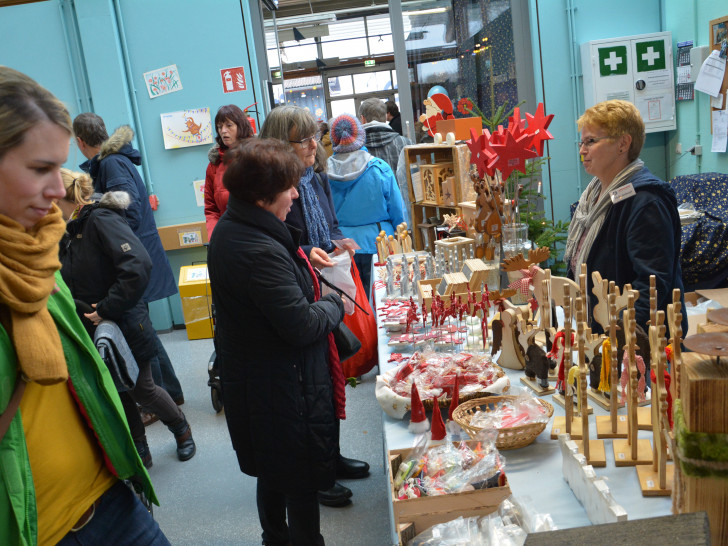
column 346, row 342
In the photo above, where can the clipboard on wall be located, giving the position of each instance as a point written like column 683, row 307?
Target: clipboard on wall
column 718, row 33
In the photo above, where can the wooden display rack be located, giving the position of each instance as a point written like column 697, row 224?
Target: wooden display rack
column 632, row 451
column 612, row 425
column 428, row 154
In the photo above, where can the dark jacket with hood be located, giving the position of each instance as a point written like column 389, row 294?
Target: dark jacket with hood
column 103, row 262
column 640, row 237
column 113, row 169
column 396, row 123
column 216, row 194
column 272, row 345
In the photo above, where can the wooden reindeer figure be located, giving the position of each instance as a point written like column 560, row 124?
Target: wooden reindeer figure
column 569, row 423
column 593, row 450
column 644, row 414
column 612, row 425
column 537, row 363
column 632, row 451
column 674, row 319
column 602, row 289
column 521, row 271
column 657, row 479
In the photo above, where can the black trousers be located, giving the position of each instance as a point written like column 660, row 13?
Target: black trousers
column 302, row 507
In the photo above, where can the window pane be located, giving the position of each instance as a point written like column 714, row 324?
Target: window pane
column 372, row 81
column 278, row 94
column 394, row 79
column 356, row 47
column 342, row 106
column 296, row 52
column 380, row 45
column 340, row 85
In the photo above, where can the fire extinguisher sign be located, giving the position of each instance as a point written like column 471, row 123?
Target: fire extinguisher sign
column 233, row 79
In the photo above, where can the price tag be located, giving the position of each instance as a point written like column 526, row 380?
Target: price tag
column 650, row 484
column 623, row 418
column 621, row 456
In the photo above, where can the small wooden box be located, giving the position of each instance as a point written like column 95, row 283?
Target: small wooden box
column 448, row 192
column 413, row 516
column 433, row 175
column 460, row 127
column 453, row 283
column 468, row 210
column 476, row 272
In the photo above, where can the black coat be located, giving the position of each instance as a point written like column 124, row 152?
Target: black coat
column 295, row 218
column 114, row 169
column 396, row 123
column 103, row 262
column 272, row 345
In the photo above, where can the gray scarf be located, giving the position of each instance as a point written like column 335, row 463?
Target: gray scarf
column 590, row 213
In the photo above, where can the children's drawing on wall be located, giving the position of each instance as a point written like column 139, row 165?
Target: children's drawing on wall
column 199, row 187
column 162, row 81
column 187, row 128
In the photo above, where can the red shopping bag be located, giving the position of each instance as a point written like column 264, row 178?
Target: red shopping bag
column 365, row 328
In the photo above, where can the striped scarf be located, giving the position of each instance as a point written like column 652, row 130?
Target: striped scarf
column 590, row 214
column 313, row 214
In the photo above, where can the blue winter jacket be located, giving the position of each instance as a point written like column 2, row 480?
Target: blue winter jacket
column 113, row 169
column 640, row 237
column 366, row 197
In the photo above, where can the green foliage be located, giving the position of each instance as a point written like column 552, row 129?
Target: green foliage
column 500, row 116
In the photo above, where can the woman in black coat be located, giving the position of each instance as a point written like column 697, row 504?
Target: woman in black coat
column 283, row 384
column 107, row 268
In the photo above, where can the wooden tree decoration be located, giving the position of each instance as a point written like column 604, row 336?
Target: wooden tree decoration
column 569, row 424
column 657, row 479
column 632, row 451
column 612, row 425
column 602, row 289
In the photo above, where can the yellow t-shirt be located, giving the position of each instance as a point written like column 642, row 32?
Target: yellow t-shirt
column 66, row 462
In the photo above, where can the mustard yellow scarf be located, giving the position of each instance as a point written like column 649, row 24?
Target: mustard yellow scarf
column 28, row 262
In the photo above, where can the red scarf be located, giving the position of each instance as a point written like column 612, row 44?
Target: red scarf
column 335, row 369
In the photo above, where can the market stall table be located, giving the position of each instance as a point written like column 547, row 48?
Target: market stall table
column 535, row 471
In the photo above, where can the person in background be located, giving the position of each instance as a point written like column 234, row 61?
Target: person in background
column 313, row 214
column 393, row 116
column 283, row 384
column 382, row 141
column 106, row 266
column 112, row 165
column 325, row 139
column 67, row 448
column 366, row 196
column 631, row 236
column 232, row 127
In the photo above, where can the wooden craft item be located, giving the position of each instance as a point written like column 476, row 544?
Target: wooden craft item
column 592, row 491
column 433, row 175
column 712, row 344
column 674, row 318
column 453, row 283
column 631, row 451
column 475, row 272
column 593, row 450
column 535, row 256
column 613, row 425
column 511, row 355
column 719, row 316
column 448, row 197
column 602, row 289
column 656, row 479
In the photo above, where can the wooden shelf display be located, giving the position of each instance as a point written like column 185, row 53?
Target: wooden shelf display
column 434, row 193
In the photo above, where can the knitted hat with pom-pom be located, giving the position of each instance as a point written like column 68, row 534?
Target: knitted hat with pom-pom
column 347, row 134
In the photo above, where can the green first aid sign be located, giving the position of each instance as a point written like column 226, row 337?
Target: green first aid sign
column 650, row 55
column 612, row 60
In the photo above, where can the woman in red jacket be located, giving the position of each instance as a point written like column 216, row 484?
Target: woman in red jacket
column 232, row 128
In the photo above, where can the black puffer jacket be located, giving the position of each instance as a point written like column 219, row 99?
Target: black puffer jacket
column 103, row 262
column 272, row 343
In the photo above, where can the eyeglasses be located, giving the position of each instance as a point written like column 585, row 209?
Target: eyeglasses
column 589, row 142
column 307, row 141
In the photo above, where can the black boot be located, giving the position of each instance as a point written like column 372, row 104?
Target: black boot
column 338, row 495
column 183, row 434
column 142, row 448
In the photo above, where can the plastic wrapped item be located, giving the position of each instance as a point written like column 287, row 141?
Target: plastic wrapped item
column 522, row 410
column 340, row 276
column 509, row 526
column 688, row 213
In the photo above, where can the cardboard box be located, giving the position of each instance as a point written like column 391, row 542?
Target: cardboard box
column 412, row 516
column 190, row 235
column 194, row 291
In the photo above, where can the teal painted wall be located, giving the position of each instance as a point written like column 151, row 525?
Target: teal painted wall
column 690, row 21
column 116, row 42
column 558, row 28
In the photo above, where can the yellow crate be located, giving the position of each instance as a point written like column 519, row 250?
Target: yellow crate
column 196, row 296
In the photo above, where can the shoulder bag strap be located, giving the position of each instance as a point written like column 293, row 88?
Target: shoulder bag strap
column 7, row 416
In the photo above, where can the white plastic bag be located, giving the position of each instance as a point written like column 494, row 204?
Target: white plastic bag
column 340, row 276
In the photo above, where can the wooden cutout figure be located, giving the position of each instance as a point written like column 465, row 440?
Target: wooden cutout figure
column 657, row 479
column 632, row 451
column 644, row 414
column 511, row 355
column 593, row 450
column 567, row 424
column 612, row 425
column 674, row 317
column 602, row 289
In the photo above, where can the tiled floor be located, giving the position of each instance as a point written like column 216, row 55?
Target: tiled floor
column 207, row 500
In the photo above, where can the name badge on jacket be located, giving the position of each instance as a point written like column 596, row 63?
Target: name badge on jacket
column 625, row 192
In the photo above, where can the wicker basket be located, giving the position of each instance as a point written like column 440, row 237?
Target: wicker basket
column 444, row 401
column 508, row 438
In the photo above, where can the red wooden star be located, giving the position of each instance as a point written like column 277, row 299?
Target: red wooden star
column 481, row 153
column 512, row 155
column 537, row 127
column 515, row 121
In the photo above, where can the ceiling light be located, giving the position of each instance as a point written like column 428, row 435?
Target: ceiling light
column 425, row 11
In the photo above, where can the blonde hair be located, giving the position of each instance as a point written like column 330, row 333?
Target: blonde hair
column 79, row 187
column 617, row 118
